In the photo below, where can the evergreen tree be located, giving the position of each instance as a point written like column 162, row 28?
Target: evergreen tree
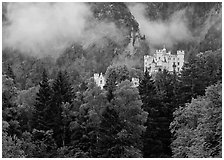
column 165, row 86
column 42, row 103
column 201, row 71
column 157, row 97
column 109, row 144
column 62, row 92
column 147, row 91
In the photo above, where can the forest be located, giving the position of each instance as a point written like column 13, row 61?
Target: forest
column 52, row 108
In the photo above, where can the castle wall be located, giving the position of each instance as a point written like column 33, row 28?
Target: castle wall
column 164, row 60
column 160, row 60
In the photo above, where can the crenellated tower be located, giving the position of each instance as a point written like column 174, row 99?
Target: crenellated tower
column 162, row 59
column 99, row 80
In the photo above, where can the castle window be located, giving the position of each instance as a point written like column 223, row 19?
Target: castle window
column 173, row 58
column 178, row 63
column 178, row 59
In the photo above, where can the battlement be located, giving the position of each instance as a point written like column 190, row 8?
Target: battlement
column 160, row 51
column 147, row 57
column 96, row 75
column 180, row 52
column 153, row 63
column 162, row 59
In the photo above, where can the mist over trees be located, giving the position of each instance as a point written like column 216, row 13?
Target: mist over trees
column 51, row 106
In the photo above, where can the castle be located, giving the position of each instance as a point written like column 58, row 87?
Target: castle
column 101, row 81
column 164, row 60
column 159, row 61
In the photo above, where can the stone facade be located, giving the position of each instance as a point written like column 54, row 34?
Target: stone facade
column 159, row 61
column 99, row 80
column 164, row 60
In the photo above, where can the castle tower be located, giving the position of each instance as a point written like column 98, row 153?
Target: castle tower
column 164, row 60
column 180, row 60
column 99, row 80
column 147, row 62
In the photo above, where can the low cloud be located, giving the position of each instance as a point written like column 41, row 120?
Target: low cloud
column 159, row 32
column 42, row 29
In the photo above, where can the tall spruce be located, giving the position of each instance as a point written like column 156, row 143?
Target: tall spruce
column 166, row 90
column 42, row 103
column 147, row 91
column 109, row 143
column 62, row 92
column 157, row 97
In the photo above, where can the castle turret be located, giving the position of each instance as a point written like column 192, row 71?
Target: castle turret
column 164, row 50
column 164, row 60
column 147, row 62
column 99, row 80
column 180, row 60
column 96, row 77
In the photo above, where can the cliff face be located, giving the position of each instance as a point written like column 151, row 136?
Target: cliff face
column 203, row 21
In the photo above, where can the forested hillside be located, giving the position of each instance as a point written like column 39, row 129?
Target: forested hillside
column 51, row 106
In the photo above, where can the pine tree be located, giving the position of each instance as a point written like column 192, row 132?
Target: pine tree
column 42, row 103
column 62, row 89
column 157, row 97
column 201, row 71
column 109, row 144
column 147, row 91
column 62, row 92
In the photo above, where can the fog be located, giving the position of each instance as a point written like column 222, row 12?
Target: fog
column 42, row 29
column 160, row 33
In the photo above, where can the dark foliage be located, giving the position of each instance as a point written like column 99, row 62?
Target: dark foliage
column 43, row 100
column 62, row 92
column 49, row 113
